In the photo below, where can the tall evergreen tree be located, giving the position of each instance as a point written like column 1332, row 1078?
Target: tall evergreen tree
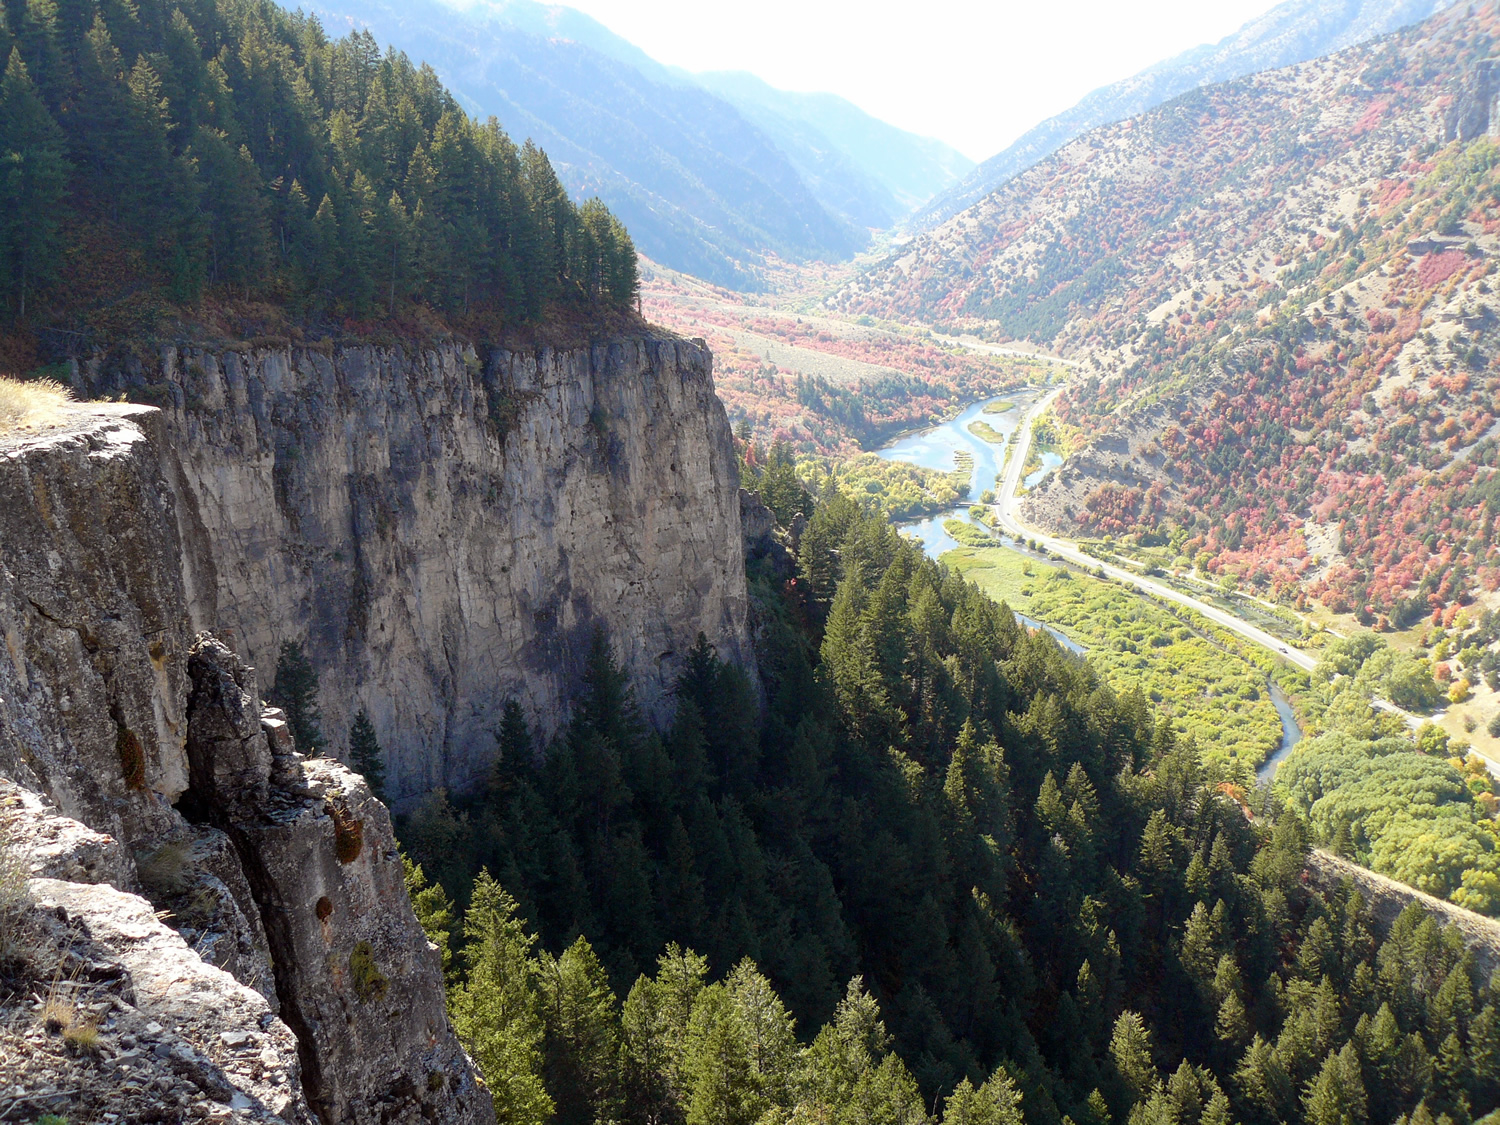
column 33, row 179
column 365, row 754
column 496, row 1010
column 581, row 1015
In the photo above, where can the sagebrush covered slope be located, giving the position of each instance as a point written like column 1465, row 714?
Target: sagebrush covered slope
column 1281, row 285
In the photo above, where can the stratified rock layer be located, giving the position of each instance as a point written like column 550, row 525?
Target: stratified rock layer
column 444, row 530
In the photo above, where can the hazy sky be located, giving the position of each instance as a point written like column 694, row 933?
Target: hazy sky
column 975, row 73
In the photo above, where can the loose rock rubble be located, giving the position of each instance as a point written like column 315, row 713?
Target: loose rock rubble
column 113, row 1018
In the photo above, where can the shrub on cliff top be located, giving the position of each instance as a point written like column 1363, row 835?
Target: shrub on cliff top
column 30, row 405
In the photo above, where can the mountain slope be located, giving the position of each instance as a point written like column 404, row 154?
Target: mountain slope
column 838, row 147
column 151, row 163
column 1292, row 32
column 1283, row 289
column 697, row 184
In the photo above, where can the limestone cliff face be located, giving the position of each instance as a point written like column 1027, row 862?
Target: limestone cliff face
column 92, row 614
column 143, row 760
column 444, row 530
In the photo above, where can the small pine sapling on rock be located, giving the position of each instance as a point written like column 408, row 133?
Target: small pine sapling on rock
column 365, row 754
column 295, row 691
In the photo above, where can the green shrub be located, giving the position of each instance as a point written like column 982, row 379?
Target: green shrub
column 369, row 982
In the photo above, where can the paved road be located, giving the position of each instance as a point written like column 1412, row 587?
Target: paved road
column 1005, row 508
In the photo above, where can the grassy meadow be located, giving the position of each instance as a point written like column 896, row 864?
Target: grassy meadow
column 1211, row 689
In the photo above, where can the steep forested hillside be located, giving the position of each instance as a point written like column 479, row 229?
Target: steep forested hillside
column 1002, row 892
column 1283, row 286
column 701, row 187
column 157, row 153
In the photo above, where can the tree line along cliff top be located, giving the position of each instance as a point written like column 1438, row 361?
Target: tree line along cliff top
column 161, row 156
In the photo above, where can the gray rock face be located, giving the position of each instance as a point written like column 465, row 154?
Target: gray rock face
column 443, row 531
column 93, row 621
column 1473, row 113
column 264, row 862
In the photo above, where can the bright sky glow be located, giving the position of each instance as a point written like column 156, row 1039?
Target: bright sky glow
column 974, row 73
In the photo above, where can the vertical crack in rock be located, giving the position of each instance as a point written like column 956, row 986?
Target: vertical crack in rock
column 357, row 981
column 229, row 768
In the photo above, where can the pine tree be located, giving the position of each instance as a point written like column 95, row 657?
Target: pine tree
column 515, row 753
column 434, row 911
column 234, row 201
column 33, row 179
column 1130, row 1049
column 295, row 691
column 496, row 1011
column 1337, row 1095
column 654, row 1028
column 365, row 754
column 583, row 1057
column 997, row 1102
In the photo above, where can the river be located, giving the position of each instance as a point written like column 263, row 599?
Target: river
column 1291, row 734
column 935, row 449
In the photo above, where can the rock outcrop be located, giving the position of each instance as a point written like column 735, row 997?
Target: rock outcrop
column 357, row 979
column 1386, row 899
column 1473, row 113
column 444, row 530
column 92, row 614
column 138, row 759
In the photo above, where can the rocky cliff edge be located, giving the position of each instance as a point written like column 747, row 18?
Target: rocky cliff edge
column 443, row 528
column 213, row 925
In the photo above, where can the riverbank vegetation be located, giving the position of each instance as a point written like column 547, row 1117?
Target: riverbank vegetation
column 1211, row 689
column 1420, row 811
column 895, row 489
column 947, row 871
column 986, row 432
column 999, row 406
column 1419, row 808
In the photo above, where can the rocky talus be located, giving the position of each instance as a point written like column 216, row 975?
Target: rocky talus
column 443, row 528
column 217, row 926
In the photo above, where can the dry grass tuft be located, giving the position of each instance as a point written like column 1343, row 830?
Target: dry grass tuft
column 31, row 405
column 61, row 1013
column 83, row 1036
column 166, row 871
column 16, row 936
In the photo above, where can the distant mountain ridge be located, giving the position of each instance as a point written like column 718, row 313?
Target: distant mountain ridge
column 819, row 131
column 1295, row 31
column 708, row 176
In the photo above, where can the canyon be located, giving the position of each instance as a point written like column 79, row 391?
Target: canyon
column 441, row 533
